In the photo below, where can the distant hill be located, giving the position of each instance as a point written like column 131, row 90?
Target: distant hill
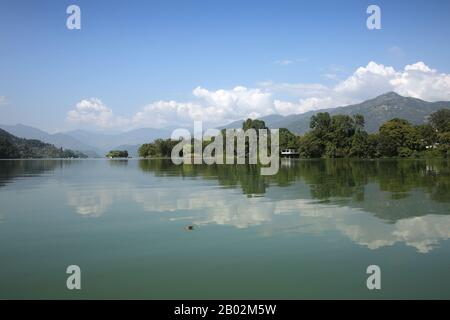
column 59, row 140
column 375, row 111
column 12, row 147
column 107, row 142
column 273, row 118
column 93, row 144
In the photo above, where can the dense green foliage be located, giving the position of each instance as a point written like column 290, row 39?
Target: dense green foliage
column 160, row 148
column 117, row 154
column 342, row 136
column 253, row 124
column 12, row 147
column 440, row 120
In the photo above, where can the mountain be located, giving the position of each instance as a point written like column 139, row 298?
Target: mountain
column 14, row 147
column 270, row 119
column 107, row 142
column 93, row 144
column 375, row 111
column 59, row 140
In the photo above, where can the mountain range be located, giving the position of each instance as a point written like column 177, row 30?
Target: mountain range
column 93, row 144
column 375, row 111
column 12, row 147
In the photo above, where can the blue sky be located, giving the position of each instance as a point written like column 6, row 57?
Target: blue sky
column 138, row 63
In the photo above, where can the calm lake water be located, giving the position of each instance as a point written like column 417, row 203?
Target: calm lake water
column 308, row 232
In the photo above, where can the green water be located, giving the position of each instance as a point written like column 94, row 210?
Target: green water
column 308, row 232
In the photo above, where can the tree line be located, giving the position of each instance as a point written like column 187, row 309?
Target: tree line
column 343, row 136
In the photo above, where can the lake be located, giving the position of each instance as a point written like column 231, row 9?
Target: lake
column 308, row 232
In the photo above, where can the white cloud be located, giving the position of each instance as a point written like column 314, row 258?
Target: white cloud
column 304, row 105
column 283, row 62
column 213, row 107
column 416, row 80
column 367, row 82
column 420, row 81
column 93, row 111
column 217, row 107
column 2, row 100
column 240, row 101
column 162, row 113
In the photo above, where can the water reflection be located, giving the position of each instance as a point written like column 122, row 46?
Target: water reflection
column 329, row 180
column 11, row 170
column 411, row 197
column 373, row 203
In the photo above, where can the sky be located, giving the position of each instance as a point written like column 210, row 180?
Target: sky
column 167, row 63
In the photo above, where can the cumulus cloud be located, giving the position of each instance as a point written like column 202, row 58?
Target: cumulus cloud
column 94, row 111
column 416, row 80
column 162, row 113
column 420, row 81
column 239, row 101
column 369, row 81
column 218, row 107
column 213, row 107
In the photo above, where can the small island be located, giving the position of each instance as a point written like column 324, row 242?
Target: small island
column 117, row 154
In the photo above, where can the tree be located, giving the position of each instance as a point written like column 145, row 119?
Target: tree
column 161, row 148
column 360, row 145
column 7, row 149
column 341, row 131
column 335, row 137
column 427, row 135
column 254, row 124
column 117, row 154
column 359, row 122
column 373, row 141
column 440, row 120
column 393, row 135
column 320, row 124
column 288, row 140
column 311, row 146
column 444, row 144
column 147, row 150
